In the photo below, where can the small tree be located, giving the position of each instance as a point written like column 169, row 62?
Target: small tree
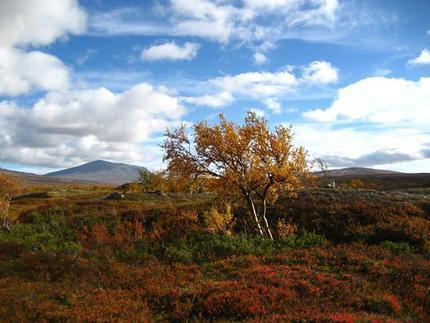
column 9, row 188
column 146, row 179
column 247, row 159
column 151, row 181
column 322, row 165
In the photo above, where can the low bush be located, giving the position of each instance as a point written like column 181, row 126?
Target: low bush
column 345, row 216
column 34, row 195
column 43, row 232
column 201, row 247
column 41, row 239
column 43, row 246
column 397, row 247
column 386, row 304
column 309, row 239
column 87, row 220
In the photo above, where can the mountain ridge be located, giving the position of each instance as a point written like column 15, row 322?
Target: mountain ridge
column 358, row 171
column 101, row 171
column 105, row 172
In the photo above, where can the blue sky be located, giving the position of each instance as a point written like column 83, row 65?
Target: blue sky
column 99, row 79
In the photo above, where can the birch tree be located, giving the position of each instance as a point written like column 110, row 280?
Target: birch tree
column 9, row 188
column 249, row 159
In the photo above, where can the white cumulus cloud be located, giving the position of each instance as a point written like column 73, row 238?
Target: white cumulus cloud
column 260, row 58
column 320, row 72
column 273, row 104
column 204, row 18
column 22, row 71
column 68, row 127
column 355, row 146
column 170, row 51
column 379, row 100
column 36, row 23
column 270, row 87
column 39, row 22
column 423, row 58
column 257, row 84
column 377, row 121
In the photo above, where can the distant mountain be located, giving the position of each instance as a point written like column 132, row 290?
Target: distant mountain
column 358, row 171
column 30, row 178
column 380, row 179
column 102, row 172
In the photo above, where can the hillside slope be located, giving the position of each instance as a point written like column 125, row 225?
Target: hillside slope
column 35, row 179
column 102, row 172
column 358, row 171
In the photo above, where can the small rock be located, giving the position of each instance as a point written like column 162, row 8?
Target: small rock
column 115, row 196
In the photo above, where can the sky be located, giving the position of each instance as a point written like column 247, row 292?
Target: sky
column 103, row 79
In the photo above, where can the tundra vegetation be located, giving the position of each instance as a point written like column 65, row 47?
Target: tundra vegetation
column 235, row 229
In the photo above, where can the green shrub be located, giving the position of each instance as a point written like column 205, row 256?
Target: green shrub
column 387, row 304
column 52, row 216
column 43, row 246
column 41, row 238
column 79, row 221
column 179, row 254
column 310, row 239
column 397, row 247
column 143, row 249
column 202, row 246
column 43, row 232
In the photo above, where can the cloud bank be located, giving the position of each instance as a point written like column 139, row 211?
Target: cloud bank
column 66, row 128
column 379, row 100
column 375, row 121
column 222, row 21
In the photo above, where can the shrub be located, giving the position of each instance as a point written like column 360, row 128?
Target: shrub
column 87, row 220
column 174, row 224
column 356, row 183
column 180, row 253
column 107, row 305
column 142, row 251
column 34, row 195
column 397, row 247
column 43, row 247
column 43, row 232
column 414, row 231
column 344, row 216
column 55, row 216
column 233, row 302
column 202, row 247
column 217, row 221
column 42, row 239
column 386, row 304
column 285, row 229
column 310, row 239
column 206, row 247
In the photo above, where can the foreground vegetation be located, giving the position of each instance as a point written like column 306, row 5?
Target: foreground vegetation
column 340, row 255
column 234, row 230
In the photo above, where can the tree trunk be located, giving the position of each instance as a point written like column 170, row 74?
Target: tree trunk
column 265, row 219
column 254, row 212
column 5, row 212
